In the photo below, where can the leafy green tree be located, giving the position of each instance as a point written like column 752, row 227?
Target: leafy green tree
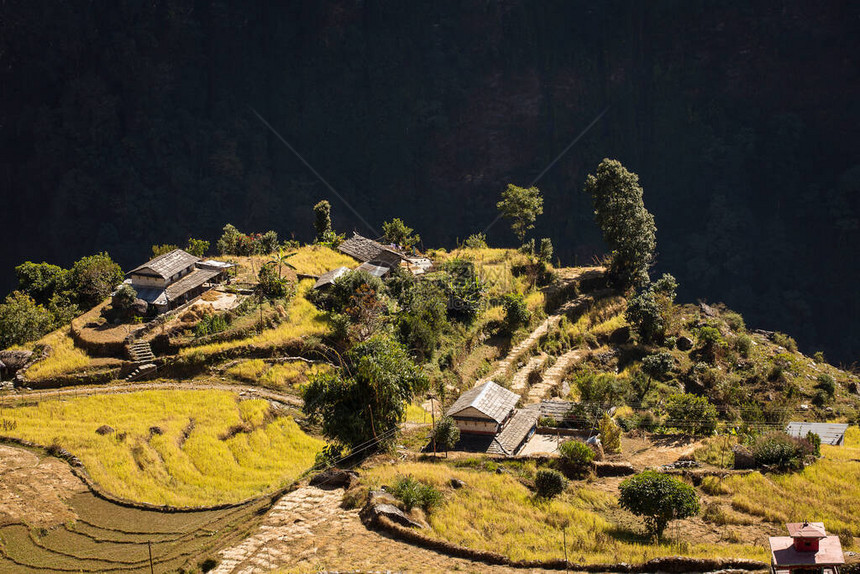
column 22, row 320
column 446, row 434
column 691, row 412
column 643, row 314
column 517, row 313
column 93, row 278
column 522, row 206
column 41, row 281
column 545, row 253
column 197, row 247
column 366, row 400
column 464, row 289
column 267, row 243
column 123, row 299
column 322, row 221
column 271, row 285
column 658, row 365
column 423, row 318
column 397, row 232
column 476, row 241
column 659, row 498
column 628, row 228
column 230, row 241
column 162, row 249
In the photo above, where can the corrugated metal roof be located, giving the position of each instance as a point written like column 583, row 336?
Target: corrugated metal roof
column 375, row 270
column 491, row 399
column 167, row 265
column 830, row 433
column 328, row 277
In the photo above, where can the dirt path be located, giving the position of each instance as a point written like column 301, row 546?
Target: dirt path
column 308, row 531
column 503, row 366
column 521, row 379
column 242, row 390
column 553, row 376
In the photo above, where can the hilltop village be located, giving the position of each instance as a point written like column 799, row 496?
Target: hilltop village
column 365, row 402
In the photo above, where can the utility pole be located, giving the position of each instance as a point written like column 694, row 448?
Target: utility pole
column 151, row 568
column 564, row 535
column 433, row 418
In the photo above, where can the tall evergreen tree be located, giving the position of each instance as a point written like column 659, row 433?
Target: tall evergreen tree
column 322, row 221
column 628, row 228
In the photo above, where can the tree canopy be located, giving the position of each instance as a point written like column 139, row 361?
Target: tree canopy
column 659, row 498
column 367, row 399
column 397, row 232
column 522, row 206
column 628, row 228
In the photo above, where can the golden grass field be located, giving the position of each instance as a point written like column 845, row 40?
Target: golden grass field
column 827, row 491
column 308, row 260
column 64, row 358
column 525, row 528
column 304, row 320
column 282, row 376
column 208, row 467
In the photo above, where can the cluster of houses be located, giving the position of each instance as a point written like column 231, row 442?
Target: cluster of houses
column 376, row 259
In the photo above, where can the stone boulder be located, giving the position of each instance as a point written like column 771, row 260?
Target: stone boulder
column 380, row 503
column 104, row 429
column 333, row 478
column 684, row 343
column 15, row 360
column 744, row 457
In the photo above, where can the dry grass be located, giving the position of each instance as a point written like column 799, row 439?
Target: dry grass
column 497, row 513
column 282, row 376
column 605, row 316
column 192, row 462
column 309, row 260
column 304, row 320
column 64, row 358
column 827, row 491
column 94, row 329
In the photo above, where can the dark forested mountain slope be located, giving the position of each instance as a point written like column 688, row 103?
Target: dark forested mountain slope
column 128, row 123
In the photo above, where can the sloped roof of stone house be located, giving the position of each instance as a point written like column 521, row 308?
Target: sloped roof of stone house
column 166, row 265
column 367, row 250
column 494, row 401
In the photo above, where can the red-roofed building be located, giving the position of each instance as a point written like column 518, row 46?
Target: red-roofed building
column 806, row 550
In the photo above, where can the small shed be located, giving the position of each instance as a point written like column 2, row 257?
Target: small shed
column 830, row 433
column 483, row 409
column 806, row 549
column 329, row 277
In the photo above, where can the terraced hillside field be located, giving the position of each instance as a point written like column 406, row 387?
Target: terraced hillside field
column 174, row 447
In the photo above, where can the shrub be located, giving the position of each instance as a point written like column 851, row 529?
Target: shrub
column 545, row 253
column 743, row 344
column 777, row 449
column 547, row 422
column 826, row 384
column 784, row 340
column 476, row 241
column 735, row 321
column 414, row 493
column 658, row 365
column 576, row 456
column 658, row 498
column 643, row 314
column 446, row 434
column 711, row 342
column 517, row 312
column 692, row 412
column 610, row 435
column 550, row 483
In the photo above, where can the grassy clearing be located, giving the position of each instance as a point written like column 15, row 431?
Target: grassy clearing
column 308, row 260
column 605, row 316
column 282, row 376
column 304, row 320
column 525, row 528
column 212, row 447
column 64, row 358
column 826, row 491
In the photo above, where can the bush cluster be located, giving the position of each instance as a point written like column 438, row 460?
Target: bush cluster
column 412, row 493
column 550, row 483
column 779, row 450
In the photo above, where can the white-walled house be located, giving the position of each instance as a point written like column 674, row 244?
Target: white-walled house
column 483, row 409
column 169, row 280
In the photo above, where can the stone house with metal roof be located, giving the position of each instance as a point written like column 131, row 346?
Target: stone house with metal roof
column 169, row 280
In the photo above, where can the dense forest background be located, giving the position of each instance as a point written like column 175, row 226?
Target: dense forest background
column 125, row 123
